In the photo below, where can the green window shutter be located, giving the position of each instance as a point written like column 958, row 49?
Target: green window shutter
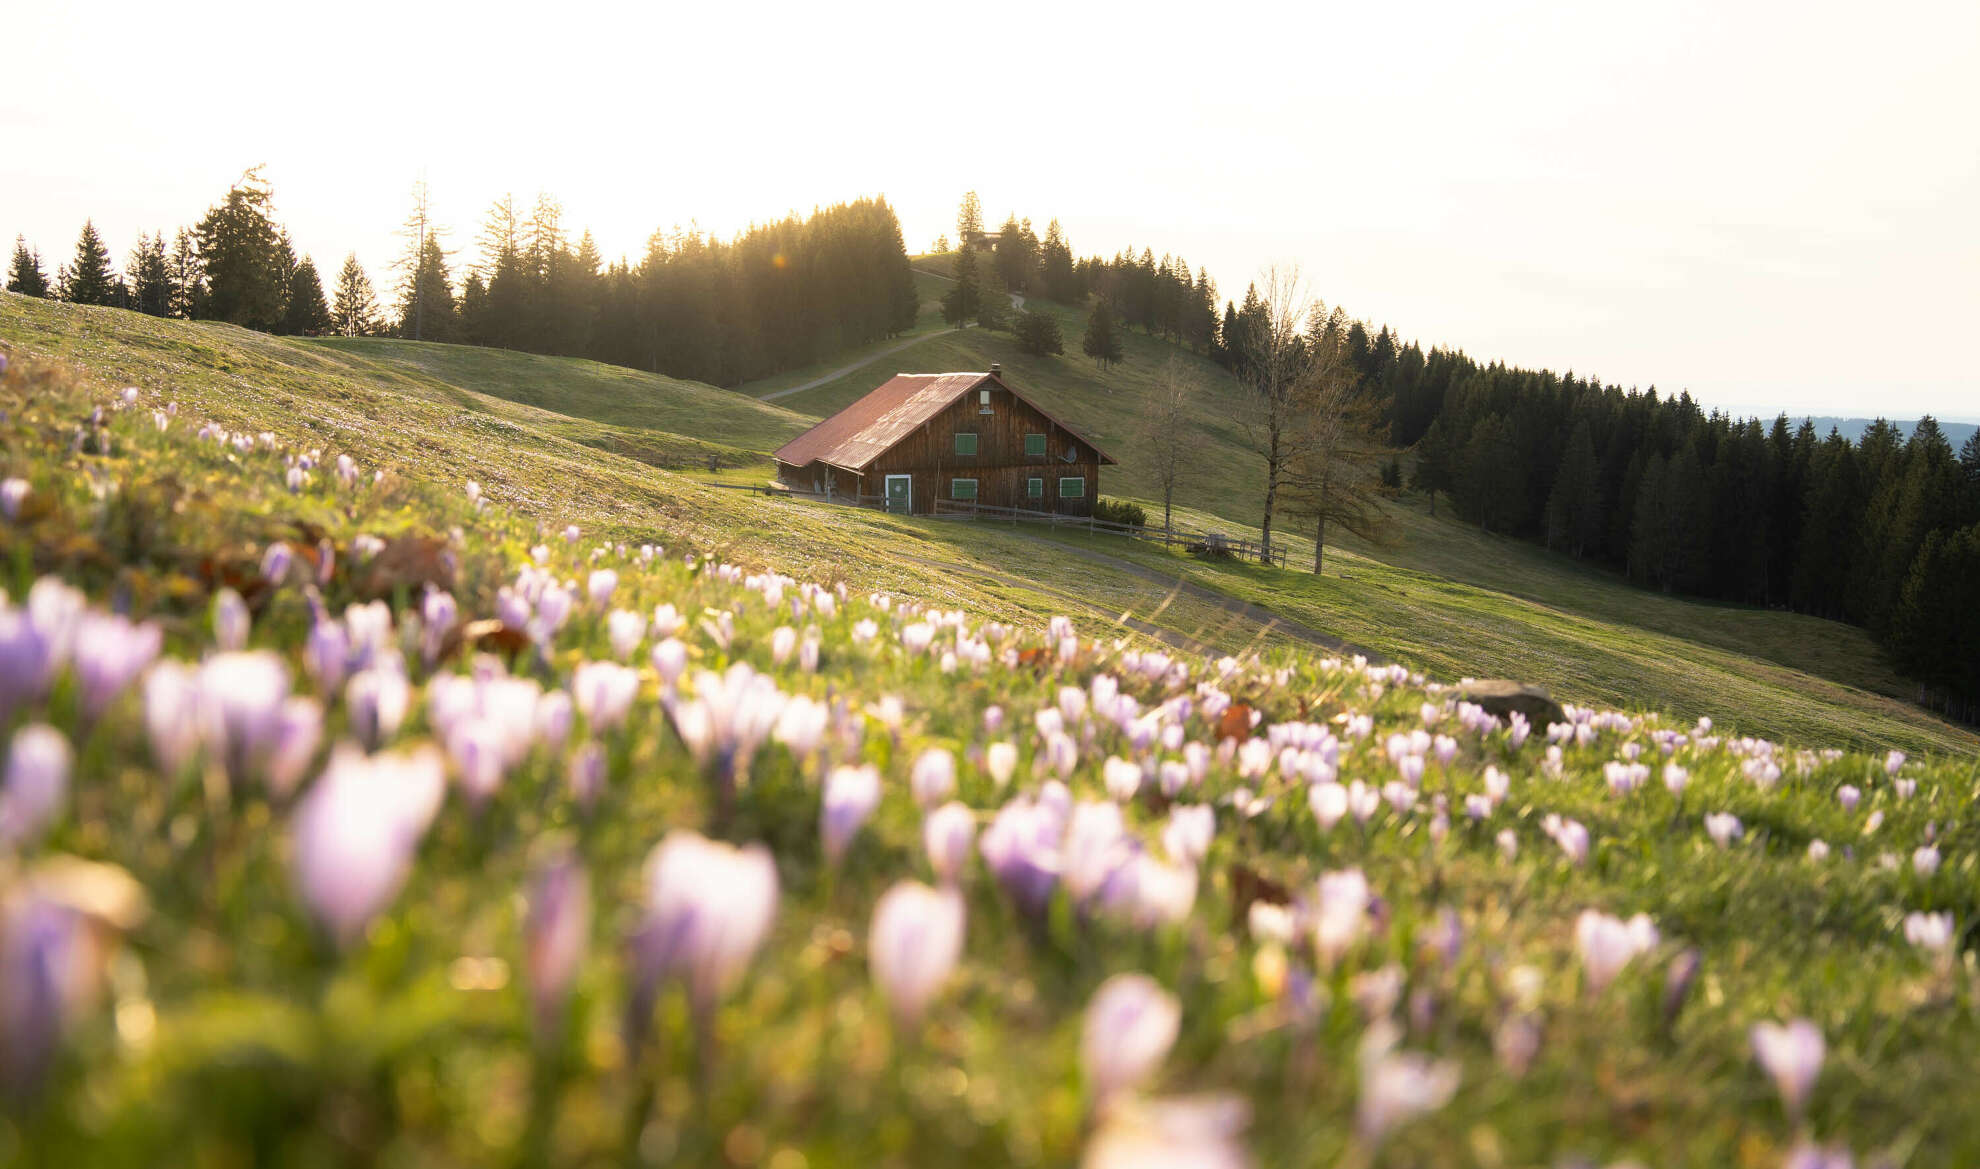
column 1072, row 487
column 1034, row 488
column 966, row 443
column 1034, row 446
column 962, row 489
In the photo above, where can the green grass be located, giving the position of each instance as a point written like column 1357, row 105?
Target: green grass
column 233, row 1030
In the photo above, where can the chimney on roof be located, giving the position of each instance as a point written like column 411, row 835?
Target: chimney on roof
column 997, row 370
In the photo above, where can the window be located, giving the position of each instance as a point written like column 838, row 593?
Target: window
column 962, row 489
column 1072, row 487
column 966, row 442
column 1034, row 446
column 1034, row 488
column 983, row 403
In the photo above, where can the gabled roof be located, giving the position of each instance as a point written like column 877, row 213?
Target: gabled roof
column 868, row 428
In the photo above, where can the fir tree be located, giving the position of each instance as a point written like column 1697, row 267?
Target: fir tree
column 1435, row 463
column 307, row 314
column 188, row 277
column 355, row 311
column 88, row 279
column 993, row 311
column 426, row 298
column 152, row 292
column 940, row 247
column 1574, row 499
column 1056, row 269
column 25, row 274
column 962, row 303
column 969, row 222
column 246, row 260
column 1038, row 333
column 1101, row 342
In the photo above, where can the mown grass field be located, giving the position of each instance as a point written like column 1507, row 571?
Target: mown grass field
column 1363, row 923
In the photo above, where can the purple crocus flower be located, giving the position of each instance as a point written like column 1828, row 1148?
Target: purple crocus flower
column 230, row 621
column 276, row 562
column 1131, row 1023
column 1792, row 1054
column 48, row 974
column 912, row 948
column 587, row 775
column 37, row 783
column 240, row 703
column 1022, row 850
column 850, row 795
column 13, row 493
column 356, row 830
column 109, row 653
column 709, row 907
column 948, row 834
column 555, row 935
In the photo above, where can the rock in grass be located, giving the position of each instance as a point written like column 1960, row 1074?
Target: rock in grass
column 1502, row 698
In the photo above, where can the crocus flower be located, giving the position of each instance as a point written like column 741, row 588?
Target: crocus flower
column 13, row 492
column 948, row 834
column 377, row 699
column 708, row 908
column 298, row 733
column 108, row 654
column 851, row 794
column 600, row 586
column 1171, row 1133
column 604, row 693
column 1723, row 828
column 1131, row 1023
column 37, row 782
column 1186, row 837
column 1892, row 762
column 1929, row 931
column 1925, row 861
column 1818, row 850
column 1848, row 796
column 230, row 620
column 625, row 628
column 727, row 719
column 240, row 704
column 913, row 946
column 1123, row 779
column 555, row 935
column 356, row 831
column 1000, row 759
column 1607, row 944
column 1792, row 1054
column 670, row 659
column 1096, row 844
column 933, row 777
column 1022, row 848
column 1397, row 1085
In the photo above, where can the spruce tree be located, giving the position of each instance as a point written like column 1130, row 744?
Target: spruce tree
column 246, row 261
column 188, row 277
column 993, row 311
column 1102, row 343
column 426, row 299
column 962, row 303
column 307, row 314
column 355, row 312
column 25, row 274
column 1038, row 333
column 152, row 290
column 1056, row 269
column 969, row 222
column 88, row 279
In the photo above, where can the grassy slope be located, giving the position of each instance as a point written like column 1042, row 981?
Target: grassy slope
column 1445, row 595
column 1447, row 598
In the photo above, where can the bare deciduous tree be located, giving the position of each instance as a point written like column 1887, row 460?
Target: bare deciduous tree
column 1167, row 438
column 1273, row 366
column 1332, row 474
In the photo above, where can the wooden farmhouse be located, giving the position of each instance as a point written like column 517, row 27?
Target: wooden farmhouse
column 965, row 437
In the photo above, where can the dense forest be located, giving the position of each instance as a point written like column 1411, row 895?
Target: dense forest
column 1882, row 532
column 777, row 296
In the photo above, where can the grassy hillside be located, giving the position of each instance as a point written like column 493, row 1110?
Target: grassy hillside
column 1446, row 599
column 592, row 893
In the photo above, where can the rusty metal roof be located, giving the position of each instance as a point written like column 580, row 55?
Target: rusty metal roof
column 865, row 430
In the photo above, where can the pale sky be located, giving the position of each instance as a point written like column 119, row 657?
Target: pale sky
column 1776, row 206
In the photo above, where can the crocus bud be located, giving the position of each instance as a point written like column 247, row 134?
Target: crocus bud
column 851, row 794
column 356, row 831
column 600, row 587
column 1000, row 759
column 1723, row 828
column 555, row 935
column 670, row 660
column 933, row 778
column 915, row 940
column 13, row 493
column 1607, row 944
column 708, row 907
column 948, row 833
column 37, row 783
column 240, row 704
column 230, row 620
column 1187, row 835
column 1398, row 1085
column 1792, row 1054
column 1131, row 1023
column 626, row 628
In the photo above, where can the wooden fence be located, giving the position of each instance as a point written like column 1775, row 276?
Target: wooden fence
column 1213, row 543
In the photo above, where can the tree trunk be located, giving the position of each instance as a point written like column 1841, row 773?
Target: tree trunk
column 1319, row 541
column 1168, row 492
column 1271, row 494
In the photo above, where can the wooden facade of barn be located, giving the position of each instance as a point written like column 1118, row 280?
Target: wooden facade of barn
column 966, row 437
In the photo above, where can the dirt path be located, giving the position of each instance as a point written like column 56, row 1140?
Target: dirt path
column 843, row 370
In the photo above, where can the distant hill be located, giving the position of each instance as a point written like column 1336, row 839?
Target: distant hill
column 1852, row 428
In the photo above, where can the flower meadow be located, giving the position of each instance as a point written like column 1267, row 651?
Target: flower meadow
column 352, row 819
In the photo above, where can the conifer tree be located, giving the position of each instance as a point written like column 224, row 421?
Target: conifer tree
column 941, row 245
column 246, row 260
column 88, row 278
column 1435, row 463
column 969, row 222
column 1057, row 273
column 962, row 303
column 355, row 312
column 1037, row 333
column 188, row 277
column 25, row 274
column 426, row 298
column 1101, row 342
column 307, row 315
column 1573, row 507
column 152, row 291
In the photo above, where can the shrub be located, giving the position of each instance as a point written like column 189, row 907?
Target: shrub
column 1120, row 511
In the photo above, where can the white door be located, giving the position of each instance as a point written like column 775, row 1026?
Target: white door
column 900, row 493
